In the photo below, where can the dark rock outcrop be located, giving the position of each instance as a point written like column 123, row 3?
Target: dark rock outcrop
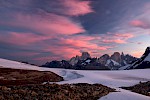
column 103, row 59
column 116, row 57
column 85, row 55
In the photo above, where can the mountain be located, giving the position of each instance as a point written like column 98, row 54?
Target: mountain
column 86, row 62
column 143, row 62
column 84, row 56
column 116, row 60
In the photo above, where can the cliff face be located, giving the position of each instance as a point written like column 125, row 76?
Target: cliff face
column 84, row 56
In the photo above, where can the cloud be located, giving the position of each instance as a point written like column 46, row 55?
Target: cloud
column 118, row 38
column 124, row 35
column 44, row 17
column 137, row 54
column 71, row 46
column 140, row 24
column 52, row 26
column 17, row 38
column 43, row 23
column 114, row 41
column 76, row 7
column 48, row 24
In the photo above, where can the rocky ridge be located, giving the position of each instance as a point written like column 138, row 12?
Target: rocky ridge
column 85, row 61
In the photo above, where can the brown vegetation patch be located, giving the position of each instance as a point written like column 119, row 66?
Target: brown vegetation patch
column 80, row 91
column 141, row 88
column 21, row 77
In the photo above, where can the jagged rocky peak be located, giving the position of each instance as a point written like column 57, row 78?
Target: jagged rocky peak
column 116, row 57
column 146, row 55
column 147, row 51
column 103, row 59
column 74, row 60
column 148, row 48
column 85, row 55
column 105, row 56
column 122, row 56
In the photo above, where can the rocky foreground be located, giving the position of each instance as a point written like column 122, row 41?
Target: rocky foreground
column 80, row 91
column 141, row 88
column 18, row 84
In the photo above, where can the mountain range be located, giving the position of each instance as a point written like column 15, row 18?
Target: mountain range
column 116, row 61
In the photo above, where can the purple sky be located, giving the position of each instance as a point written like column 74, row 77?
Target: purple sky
column 38, row 31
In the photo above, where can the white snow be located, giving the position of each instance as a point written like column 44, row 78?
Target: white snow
column 124, row 95
column 114, row 62
column 88, row 61
column 125, row 62
column 147, row 58
column 124, row 67
column 108, row 62
column 113, row 79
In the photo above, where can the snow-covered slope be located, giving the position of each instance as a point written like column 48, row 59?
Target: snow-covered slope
column 147, row 58
column 113, row 79
column 14, row 64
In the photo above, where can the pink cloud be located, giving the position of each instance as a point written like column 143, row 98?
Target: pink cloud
column 114, row 41
column 63, row 51
column 21, row 38
column 137, row 54
column 139, row 23
column 68, row 52
column 124, row 35
column 84, row 43
column 74, row 45
column 48, row 24
column 77, row 7
column 119, row 38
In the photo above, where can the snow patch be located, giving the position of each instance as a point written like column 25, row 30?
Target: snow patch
column 88, row 61
column 114, row 62
column 147, row 58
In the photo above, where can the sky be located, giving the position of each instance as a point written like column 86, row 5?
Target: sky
column 38, row 31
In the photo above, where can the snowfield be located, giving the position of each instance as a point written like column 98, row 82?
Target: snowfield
column 147, row 58
column 113, row 79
